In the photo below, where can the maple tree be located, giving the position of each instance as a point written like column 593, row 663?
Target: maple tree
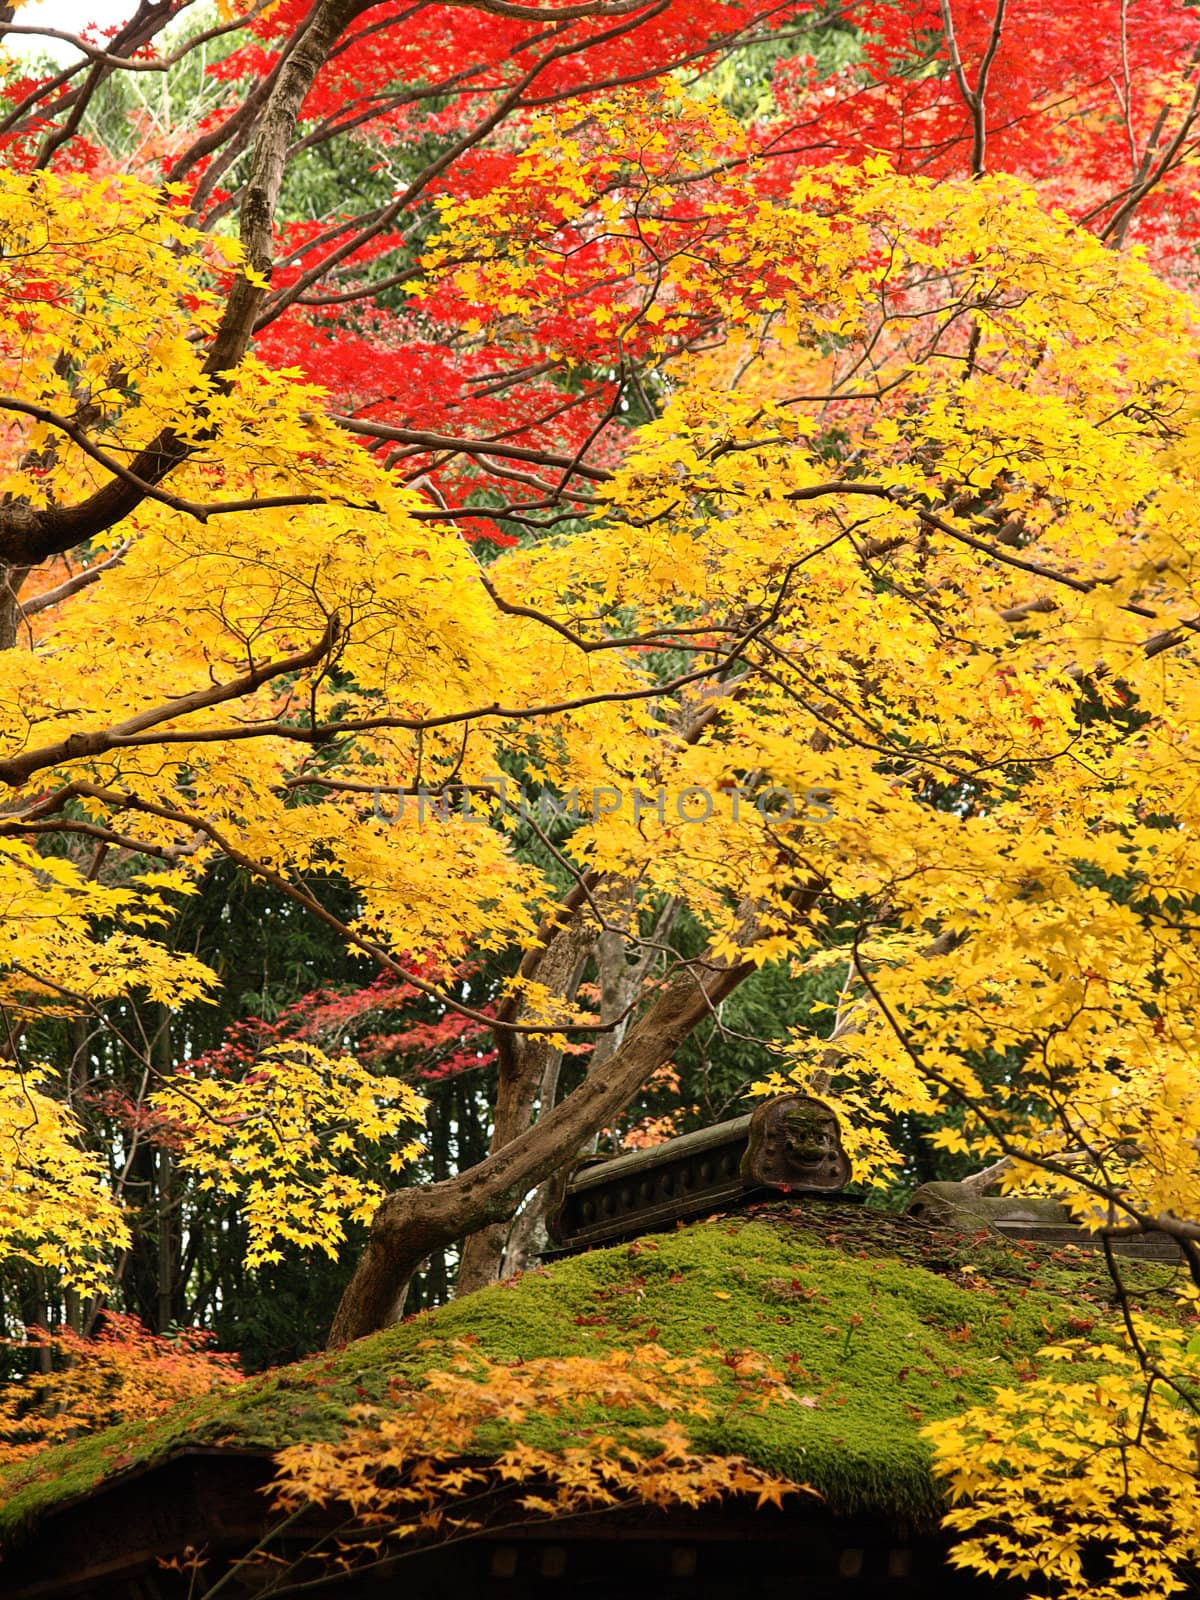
column 121, row 1372
column 818, row 521
column 1104, row 1504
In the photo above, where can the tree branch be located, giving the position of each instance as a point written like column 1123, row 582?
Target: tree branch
column 80, row 746
column 413, row 1222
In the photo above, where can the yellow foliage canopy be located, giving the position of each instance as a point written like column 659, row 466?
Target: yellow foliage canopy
column 923, row 536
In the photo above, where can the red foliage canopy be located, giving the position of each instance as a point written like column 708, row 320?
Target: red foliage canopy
column 498, row 414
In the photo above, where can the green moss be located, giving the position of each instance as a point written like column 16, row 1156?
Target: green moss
column 880, row 1325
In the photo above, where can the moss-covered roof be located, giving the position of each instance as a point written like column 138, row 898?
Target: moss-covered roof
column 881, row 1325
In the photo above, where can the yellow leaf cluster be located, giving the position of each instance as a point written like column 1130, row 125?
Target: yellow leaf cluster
column 1084, row 1480
column 57, row 1210
column 287, row 1139
column 576, row 1433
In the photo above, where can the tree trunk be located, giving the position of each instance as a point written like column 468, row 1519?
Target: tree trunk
column 524, row 1070
column 527, row 1236
column 412, row 1223
column 11, row 579
column 620, row 986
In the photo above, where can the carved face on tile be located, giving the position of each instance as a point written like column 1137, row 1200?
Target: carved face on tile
column 795, row 1144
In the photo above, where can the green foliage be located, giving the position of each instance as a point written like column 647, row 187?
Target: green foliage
column 130, row 109
column 742, row 79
